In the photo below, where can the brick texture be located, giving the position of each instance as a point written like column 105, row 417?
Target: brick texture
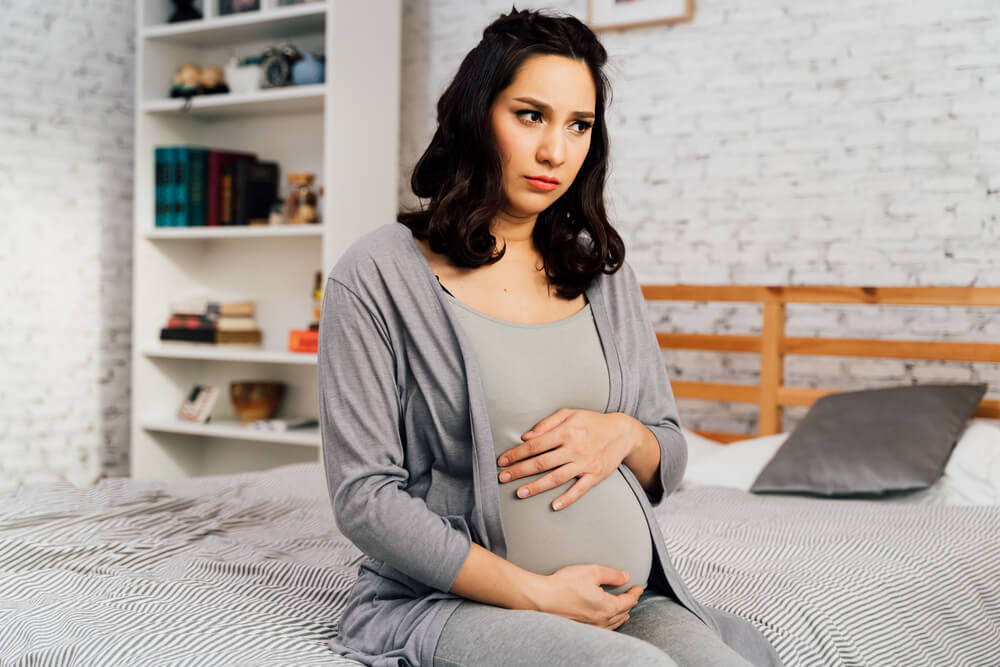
column 792, row 142
column 786, row 142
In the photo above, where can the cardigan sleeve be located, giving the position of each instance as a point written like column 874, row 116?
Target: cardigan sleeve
column 359, row 412
column 656, row 408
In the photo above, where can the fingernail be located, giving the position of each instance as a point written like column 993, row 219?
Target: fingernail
column 522, row 492
column 528, row 434
column 504, row 476
column 503, row 461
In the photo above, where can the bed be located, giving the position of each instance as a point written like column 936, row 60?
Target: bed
column 250, row 569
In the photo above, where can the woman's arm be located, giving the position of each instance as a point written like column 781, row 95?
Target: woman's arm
column 363, row 452
column 656, row 409
column 488, row 578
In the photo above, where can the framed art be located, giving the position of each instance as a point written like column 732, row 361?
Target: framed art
column 616, row 14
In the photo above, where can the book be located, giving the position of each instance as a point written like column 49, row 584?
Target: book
column 205, row 335
column 161, row 176
column 242, row 337
column 190, row 322
column 255, row 188
column 179, row 206
column 200, row 305
column 193, row 186
column 237, row 309
column 169, row 194
column 215, row 161
column 227, row 323
column 199, row 403
column 226, row 212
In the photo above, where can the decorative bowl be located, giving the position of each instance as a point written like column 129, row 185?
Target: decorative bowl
column 256, row 399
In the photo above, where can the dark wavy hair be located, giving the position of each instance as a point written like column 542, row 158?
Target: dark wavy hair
column 461, row 170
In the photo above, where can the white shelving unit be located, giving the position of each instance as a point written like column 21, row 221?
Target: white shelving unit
column 344, row 130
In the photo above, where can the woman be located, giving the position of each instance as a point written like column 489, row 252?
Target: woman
column 504, row 306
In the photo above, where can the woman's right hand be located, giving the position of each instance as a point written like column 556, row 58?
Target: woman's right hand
column 575, row 592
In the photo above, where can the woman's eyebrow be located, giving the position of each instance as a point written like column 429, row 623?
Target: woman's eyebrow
column 545, row 107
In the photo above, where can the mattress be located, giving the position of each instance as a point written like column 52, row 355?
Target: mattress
column 250, row 569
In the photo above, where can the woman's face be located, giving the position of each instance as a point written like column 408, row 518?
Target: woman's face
column 542, row 123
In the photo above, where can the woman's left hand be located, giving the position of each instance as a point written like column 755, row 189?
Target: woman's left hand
column 576, row 443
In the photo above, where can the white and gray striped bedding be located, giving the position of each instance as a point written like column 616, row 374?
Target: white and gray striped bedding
column 250, row 569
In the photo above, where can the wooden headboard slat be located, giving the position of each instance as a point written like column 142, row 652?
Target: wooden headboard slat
column 884, row 296
column 843, row 347
column 772, row 345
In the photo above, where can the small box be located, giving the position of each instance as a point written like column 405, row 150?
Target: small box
column 303, row 340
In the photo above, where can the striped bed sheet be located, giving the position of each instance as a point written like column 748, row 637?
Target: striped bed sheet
column 250, row 569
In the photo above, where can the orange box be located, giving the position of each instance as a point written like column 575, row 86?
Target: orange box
column 303, row 340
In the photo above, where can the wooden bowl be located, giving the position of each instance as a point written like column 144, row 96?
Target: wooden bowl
column 256, row 399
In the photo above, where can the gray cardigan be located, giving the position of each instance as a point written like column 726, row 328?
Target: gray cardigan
column 408, row 451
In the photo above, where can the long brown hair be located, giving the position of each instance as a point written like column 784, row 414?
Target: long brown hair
column 461, row 171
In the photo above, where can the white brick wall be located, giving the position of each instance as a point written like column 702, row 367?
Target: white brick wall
column 66, row 75
column 791, row 142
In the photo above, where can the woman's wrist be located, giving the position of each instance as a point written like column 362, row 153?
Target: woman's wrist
column 536, row 590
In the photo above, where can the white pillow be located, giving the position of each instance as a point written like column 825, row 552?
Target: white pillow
column 971, row 476
column 700, row 447
column 736, row 464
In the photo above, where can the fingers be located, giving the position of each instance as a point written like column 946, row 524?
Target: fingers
column 583, row 484
column 617, row 621
column 629, row 598
column 610, row 575
column 544, row 459
column 554, row 478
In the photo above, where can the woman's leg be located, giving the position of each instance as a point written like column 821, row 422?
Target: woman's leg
column 667, row 624
column 482, row 635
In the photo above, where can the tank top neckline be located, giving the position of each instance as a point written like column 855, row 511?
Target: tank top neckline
column 525, row 325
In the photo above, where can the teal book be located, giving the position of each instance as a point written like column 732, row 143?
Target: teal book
column 160, row 175
column 170, row 194
column 197, row 185
column 181, row 186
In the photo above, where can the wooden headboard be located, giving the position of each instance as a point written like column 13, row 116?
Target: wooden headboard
column 772, row 345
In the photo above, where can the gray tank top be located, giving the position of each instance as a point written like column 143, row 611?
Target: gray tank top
column 529, row 371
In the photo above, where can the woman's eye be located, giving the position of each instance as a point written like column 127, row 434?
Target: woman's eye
column 584, row 125
column 520, row 113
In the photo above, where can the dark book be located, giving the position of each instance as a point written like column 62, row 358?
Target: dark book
column 226, row 212
column 190, row 322
column 188, row 335
column 255, row 189
column 215, row 162
column 210, row 335
column 161, row 178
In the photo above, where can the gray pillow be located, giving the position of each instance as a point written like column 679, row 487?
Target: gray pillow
column 872, row 442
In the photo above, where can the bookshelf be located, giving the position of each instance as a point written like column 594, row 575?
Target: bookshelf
column 345, row 130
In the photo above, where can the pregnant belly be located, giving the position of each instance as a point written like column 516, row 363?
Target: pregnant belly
column 605, row 526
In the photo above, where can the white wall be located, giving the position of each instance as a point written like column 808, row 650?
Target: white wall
column 786, row 142
column 791, row 142
column 66, row 73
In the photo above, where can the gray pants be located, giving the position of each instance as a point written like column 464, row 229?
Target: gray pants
column 659, row 631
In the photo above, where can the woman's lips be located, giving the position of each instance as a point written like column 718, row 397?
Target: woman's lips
column 541, row 185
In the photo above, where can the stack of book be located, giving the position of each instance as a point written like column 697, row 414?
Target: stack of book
column 204, row 321
column 197, row 186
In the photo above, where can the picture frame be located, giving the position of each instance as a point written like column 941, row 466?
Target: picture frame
column 618, row 14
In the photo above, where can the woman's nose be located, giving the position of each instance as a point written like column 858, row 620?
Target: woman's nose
column 553, row 147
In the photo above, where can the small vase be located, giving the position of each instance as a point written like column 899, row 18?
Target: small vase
column 307, row 71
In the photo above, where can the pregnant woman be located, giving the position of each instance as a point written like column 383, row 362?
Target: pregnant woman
column 497, row 422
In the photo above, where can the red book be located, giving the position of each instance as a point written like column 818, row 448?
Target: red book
column 213, row 176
